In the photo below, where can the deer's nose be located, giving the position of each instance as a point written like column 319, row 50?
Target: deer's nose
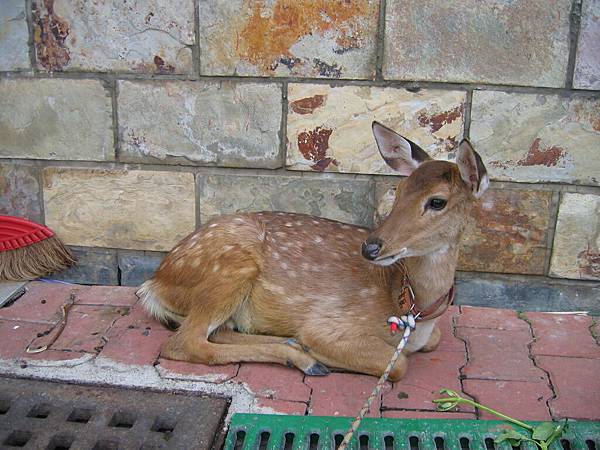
column 371, row 248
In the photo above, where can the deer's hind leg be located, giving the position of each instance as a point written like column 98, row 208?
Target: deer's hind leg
column 216, row 300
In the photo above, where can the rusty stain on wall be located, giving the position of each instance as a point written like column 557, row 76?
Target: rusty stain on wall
column 537, row 156
column 161, row 67
column 313, row 145
column 270, row 32
column 588, row 262
column 437, row 121
column 308, row 105
column 50, row 33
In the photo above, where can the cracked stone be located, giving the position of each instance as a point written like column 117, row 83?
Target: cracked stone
column 20, row 192
column 103, row 207
column 576, row 250
column 14, row 50
column 200, row 123
column 521, row 42
column 146, row 36
column 537, row 137
column 55, row 119
column 329, row 128
column 308, row 38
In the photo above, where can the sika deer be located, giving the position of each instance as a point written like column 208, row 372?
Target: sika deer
column 294, row 289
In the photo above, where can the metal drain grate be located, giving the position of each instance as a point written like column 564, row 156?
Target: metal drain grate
column 51, row 416
column 255, row 431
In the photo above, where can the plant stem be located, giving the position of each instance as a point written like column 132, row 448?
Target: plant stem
column 458, row 400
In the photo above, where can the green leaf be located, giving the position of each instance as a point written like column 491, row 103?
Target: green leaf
column 544, row 430
column 449, row 392
column 446, row 406
column 513, row 437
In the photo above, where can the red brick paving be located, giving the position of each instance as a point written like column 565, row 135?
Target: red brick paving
column 563, row 335
column 576, row 382
column 499, row 355
column 274, row 381
column 522, row 399
column 341, row 394
column 483, row 352
column 427, row 374
column 499, row 319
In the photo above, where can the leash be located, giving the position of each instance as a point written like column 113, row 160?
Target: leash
column 407, row 322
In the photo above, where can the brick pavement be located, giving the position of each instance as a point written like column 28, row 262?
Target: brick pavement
column 535, row 366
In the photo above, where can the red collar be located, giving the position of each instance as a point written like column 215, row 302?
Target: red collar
column 406, row 300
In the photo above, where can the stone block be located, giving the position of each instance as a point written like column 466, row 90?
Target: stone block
column 508, row 234
column 576, row 251
column 201, row 122
column 147, row 36
column 20, row 192
column 93, row 266
column 305, row 38
column 55, row 119
column 537, row 137
column 137, row 267
column 587, row 62
column 532, row 294
column 522, row 42
column 135, row 209
column 329, row 128
column 348, row 201
column 14, row 37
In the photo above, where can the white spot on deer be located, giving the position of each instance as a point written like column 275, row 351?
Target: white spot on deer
column 280, row 234
column 288, row 224
column 209, row 234
column 318, row 239
column 284, row 248
column 196, row 262
column 245, row 270
column 292, row 274
column 212, row 225
column 298, row 223
column 345, row 227
column 284, row 266
column 238, row 220
column 316, row 222
column 362, row 230
column 226, row 248
column 305, row 266
column 216, row 267
column 275, row 255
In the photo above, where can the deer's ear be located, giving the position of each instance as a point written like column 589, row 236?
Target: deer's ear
column 398, row 152
column 472, row 170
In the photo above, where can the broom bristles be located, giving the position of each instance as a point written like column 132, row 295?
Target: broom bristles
column 35, row 261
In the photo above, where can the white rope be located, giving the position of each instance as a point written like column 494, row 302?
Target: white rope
column 408, row 323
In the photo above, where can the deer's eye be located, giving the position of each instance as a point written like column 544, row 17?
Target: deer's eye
column 437, row 204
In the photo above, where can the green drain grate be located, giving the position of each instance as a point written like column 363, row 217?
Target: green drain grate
column 263, row 431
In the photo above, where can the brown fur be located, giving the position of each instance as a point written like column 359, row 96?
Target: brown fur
column 243, row 285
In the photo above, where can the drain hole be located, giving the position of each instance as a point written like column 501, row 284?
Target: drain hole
column 122, row 419
column 490, row 444
column 40, row 411
column 80, row 415
column 60, row 442
column 388, row 441
column 4, row 405
column 264, row 440
column 313, row 442
column 566, row 444
column 337, row 440
column 17, row 439
column 591, row 445
column 439, row 443
column 363, row 442
column 239, row 439
column 106, row 445
column 164, row 425
column 464, row 443
column 289, row 441
column 414, row 443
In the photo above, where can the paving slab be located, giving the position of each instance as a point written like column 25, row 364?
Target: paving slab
column 567, row 335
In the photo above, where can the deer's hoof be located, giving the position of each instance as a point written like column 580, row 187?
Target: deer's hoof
column 317, row 370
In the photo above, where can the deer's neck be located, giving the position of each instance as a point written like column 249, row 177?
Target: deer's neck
column 432, row 275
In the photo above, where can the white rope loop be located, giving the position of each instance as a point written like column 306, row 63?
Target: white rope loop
column 408, row 323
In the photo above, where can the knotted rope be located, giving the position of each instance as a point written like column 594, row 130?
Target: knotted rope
column 408, row 323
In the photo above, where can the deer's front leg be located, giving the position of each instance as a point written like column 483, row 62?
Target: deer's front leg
column 363, row 354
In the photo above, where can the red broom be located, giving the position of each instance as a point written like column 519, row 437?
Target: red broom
column 29, row 250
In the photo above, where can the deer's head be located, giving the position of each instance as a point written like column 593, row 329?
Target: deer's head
column 432, row 204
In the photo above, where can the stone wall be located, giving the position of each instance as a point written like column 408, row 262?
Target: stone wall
column 124, row 124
